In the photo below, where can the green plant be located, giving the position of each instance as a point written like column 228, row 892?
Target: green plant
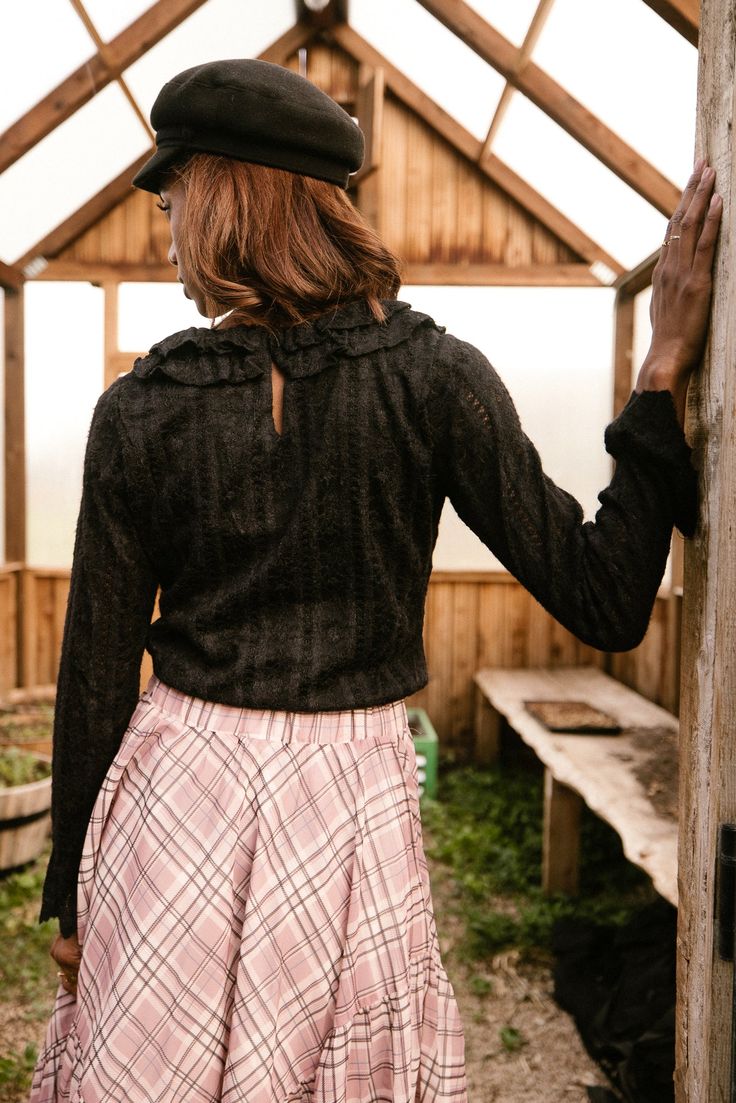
column 512, row 1039
column 26, row 967
column 481, row 986
column 487, row 828
column 17, row 1068
column 19, row 767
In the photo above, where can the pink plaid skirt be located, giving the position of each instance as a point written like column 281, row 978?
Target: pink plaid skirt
column 255, row 918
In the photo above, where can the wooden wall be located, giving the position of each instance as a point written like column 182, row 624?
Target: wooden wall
column 489, row 620
column 9, row 600
column 472, row 620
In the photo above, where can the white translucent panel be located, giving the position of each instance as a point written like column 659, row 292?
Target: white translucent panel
column 70, row 166
column 510, row 17
column 632, row 70
column 432, row 57
column 41, row 43
column 64, row 378
column 642, row 332
column 577, row 184
column 552, row 348
column 110, row 17
column 219, row 29
column 148, row 312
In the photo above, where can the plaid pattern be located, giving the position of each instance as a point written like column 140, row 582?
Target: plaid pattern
column 255, row 915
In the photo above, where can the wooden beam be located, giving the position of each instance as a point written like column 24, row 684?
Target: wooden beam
column 334, row 11
column 11, row 276
column 110, row 370
column 15, row 439
column 287, row 44
column 106, row 273
column 544, row 7
column 369, row 112
column 501, row 275
column 623, row 349
column 638, row 278
column 93, row 76
column 470, row 147
column 683, row 15
column 92, row 211
column 104, row 53
column 472, row 29
column 708, row 702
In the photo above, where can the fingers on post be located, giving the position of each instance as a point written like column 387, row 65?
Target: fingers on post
column 703, row 260
column 698, row 206
column 685, row 200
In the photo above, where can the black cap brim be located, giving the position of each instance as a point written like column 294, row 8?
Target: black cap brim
column 152, row 175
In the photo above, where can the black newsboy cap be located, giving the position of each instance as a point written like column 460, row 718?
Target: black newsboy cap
column 252, row 111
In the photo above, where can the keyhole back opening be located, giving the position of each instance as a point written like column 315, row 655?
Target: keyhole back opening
column 277, row 399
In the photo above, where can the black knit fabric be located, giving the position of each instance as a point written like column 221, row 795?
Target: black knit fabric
column 293, row 569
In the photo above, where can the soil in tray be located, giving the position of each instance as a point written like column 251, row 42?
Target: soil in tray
column 656, row 767
column 573, row 717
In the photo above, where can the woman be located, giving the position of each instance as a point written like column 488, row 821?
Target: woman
column 237, row 867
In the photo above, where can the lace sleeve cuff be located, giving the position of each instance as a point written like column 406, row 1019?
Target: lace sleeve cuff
column 647, row 431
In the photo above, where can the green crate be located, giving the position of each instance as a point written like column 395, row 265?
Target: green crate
column 426, row 747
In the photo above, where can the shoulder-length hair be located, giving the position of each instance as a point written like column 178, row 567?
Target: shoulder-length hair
column 276, row 248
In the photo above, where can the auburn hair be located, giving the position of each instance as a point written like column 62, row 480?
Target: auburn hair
column 276, row 248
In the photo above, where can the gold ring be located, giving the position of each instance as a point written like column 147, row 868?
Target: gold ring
column 667, row 240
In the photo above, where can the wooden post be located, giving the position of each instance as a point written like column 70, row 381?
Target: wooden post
column 623, row 347
column 561, row 837
column 708, row 676
column 15, row 429
column 111, row 331
column 487, row 730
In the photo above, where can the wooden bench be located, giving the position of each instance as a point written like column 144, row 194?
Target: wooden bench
column 597, row 769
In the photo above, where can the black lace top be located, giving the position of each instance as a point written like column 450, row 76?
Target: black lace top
column 293, row 569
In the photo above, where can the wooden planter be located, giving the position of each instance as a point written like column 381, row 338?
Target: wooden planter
column 25, row 818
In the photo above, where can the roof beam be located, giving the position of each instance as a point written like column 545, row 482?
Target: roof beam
column 334, row 11
column 103, row 52
column 683, row 15
column 544, row 7
column 11, row 276
column 500, row 275
column 93, row 76
column 639, row 278
column 470, row 147
column 472, row 29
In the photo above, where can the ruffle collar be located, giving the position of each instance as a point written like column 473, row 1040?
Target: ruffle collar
column 200, row 356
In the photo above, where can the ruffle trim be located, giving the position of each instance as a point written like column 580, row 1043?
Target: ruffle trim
column 400, row 1047
column 200, row 356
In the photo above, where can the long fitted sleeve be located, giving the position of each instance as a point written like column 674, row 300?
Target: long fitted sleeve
column 599, row 579
column 112, row 591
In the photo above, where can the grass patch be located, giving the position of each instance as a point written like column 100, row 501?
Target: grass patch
column 16, row 1070
column 487, row 829
column 27, row 971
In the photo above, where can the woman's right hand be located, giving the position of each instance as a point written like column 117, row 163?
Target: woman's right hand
column 67, row 953
column 681, row 290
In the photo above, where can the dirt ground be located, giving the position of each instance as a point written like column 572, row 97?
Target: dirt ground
column 543, row 1059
